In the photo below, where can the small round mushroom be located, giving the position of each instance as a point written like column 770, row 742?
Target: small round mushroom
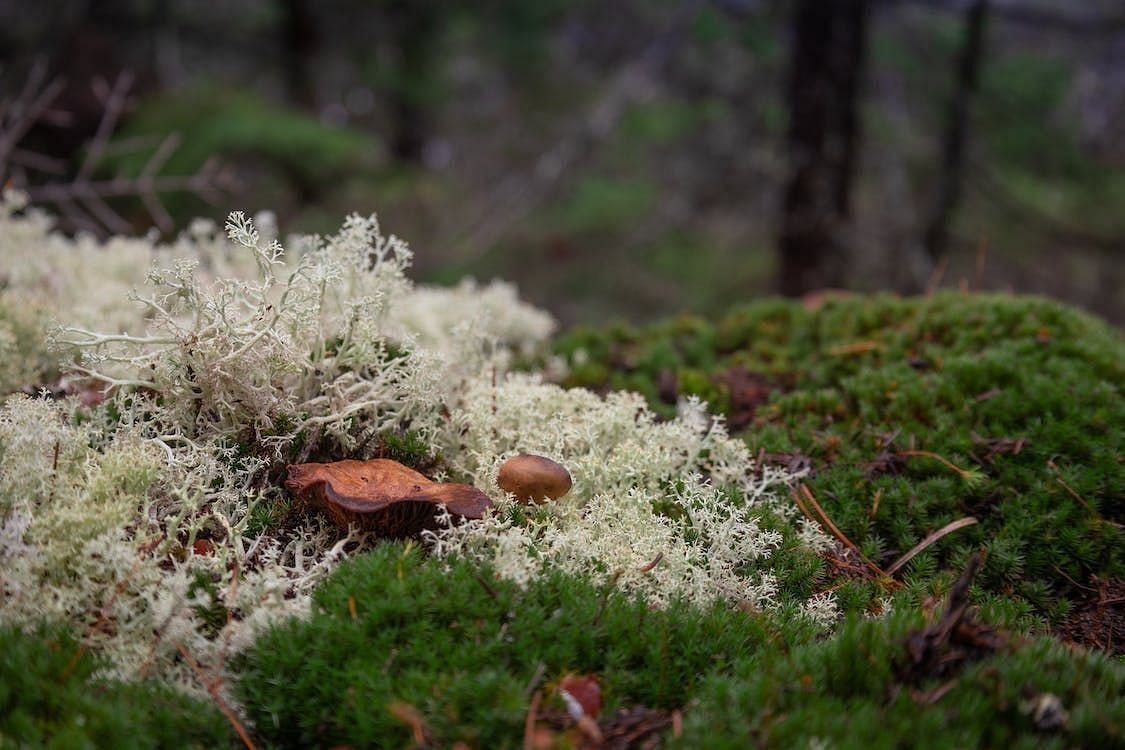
column 533, row 479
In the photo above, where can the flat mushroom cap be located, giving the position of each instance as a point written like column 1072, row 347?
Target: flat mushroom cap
column 533, row 479
column 383, row 496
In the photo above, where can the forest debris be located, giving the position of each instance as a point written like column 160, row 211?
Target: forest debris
column 748, row 391
column 413, row 718
column 994, row 447
column 987, row 395
column 1097, row 619
column 582, row 695
column 822, row 518
column 858, row 347
column 1047, row 712
column 212, row 687
column 796, row 463
column 949, row 528
column 955, row 639
column 627, row 729
column 637, row 727
column 891, row 461
column 382, row 495
column 533, row 479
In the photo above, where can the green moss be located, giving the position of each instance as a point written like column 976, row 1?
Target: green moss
column 50, row 697
column 600, row 204
column 465, row 649
column 462, row 647
column 1023, row 394
column 844, row 693
column 214, row 121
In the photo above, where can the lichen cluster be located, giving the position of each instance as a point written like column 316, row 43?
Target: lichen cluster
column 169, row 385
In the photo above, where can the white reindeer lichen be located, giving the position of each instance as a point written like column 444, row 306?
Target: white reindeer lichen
column 229, row 356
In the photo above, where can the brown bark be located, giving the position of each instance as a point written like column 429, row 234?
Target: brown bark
column 300, row 43
column 936, row 238
column 828, row 60
column 416, row 27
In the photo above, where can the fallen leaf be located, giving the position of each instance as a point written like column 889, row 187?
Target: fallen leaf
column 203, row 547
column 382, row 495
column 582, row 695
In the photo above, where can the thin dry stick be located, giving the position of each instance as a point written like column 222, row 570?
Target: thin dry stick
column 825, row 521
column 529, row 722
column 81, row 200
column 964, row 473
column 1085, row 504
column 232, row 592
column 213, row 689
column 652, row 563
column 102, row 620
column 949, row 528
column 533, row 683
column 982, row 256
column 937, row 275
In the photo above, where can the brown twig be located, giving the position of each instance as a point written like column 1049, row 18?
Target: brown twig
column 1084, row 503
column 949, row 528
column 529, row 721
column 212, row 687
column 536, row 678
column 413, row 718
column 81, row 199
column 652, row 563
column 102, row 619
column 982, row 256
column 823, row 519
column 858, row 347
column 963, row 473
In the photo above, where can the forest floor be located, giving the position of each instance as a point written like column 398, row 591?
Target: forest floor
column 964, row 451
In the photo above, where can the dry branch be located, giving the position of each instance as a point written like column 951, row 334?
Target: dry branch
column 80, row 198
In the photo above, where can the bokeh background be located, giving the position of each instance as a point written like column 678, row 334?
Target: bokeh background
column 623, row 159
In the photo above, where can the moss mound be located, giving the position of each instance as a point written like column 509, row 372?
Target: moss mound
column 876, row 394
column 401, row 645
column 845, row 693
column 466, row 651
column 50, row 697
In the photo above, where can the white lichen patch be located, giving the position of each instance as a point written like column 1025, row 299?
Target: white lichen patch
column 147, row 520
column 639, row 493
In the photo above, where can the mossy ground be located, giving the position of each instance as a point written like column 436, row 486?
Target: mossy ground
column 1022, row 394
column 399, row 644
column 50, row 697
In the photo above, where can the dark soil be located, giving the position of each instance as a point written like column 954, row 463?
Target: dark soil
column 1098, row 618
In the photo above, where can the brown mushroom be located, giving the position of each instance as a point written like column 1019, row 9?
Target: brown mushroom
column 533, row 479
column 383, row 496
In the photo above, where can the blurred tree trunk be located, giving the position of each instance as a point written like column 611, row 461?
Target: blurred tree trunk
column 936, row 239
column 828, row 58
column 299, row 42
column 416, row 26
